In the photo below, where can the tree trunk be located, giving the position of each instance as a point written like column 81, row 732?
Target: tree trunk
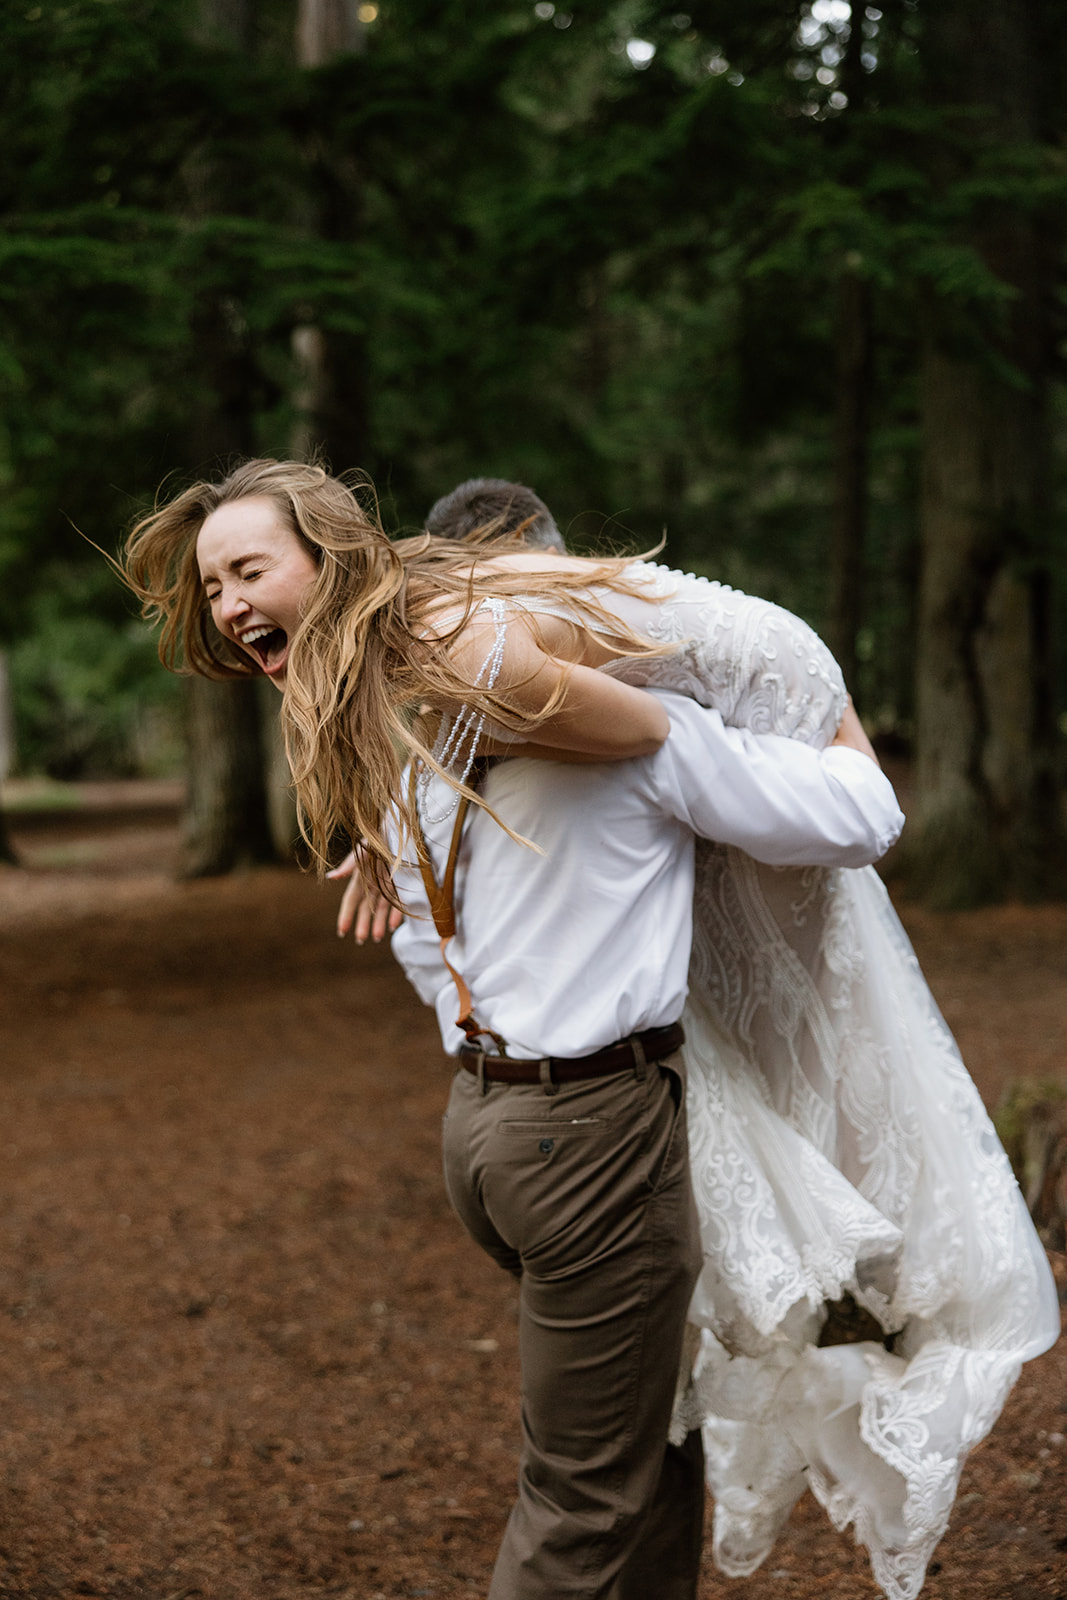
column 226, row 822
column 329, row 398
column 7, row 756
column 848, row 531
column 855, row 370
column 226, row 819
column 986, row 822
column 327, row 28
column 227, row 803
column 974, row 822
column 1031, row 1120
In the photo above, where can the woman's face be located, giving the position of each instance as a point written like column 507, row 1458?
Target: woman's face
column 256, row 574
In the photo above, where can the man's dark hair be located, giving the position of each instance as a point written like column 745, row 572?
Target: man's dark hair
column 495, row 503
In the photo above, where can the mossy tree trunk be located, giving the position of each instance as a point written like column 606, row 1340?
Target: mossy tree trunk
column 986, row 822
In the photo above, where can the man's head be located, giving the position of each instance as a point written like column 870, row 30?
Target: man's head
column 495, row 503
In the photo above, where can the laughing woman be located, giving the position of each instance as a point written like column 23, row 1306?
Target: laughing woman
column 840, row 1153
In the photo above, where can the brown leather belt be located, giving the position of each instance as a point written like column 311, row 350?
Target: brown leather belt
column 652, row 1045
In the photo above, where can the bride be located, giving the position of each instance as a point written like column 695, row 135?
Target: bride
column 872, row 1282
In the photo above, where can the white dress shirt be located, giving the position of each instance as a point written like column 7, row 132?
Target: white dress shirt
column 587, row 940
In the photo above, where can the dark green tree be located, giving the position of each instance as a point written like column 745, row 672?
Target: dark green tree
column 643, row 259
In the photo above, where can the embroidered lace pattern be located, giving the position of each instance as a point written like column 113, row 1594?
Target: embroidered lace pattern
column 837, row 1146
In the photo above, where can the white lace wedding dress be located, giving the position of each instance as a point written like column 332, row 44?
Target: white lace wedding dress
column 838, row 1147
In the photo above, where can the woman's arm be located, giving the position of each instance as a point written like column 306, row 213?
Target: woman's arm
column 598, row 717
column 851, row 734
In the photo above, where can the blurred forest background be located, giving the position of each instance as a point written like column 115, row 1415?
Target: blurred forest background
column 783, row 281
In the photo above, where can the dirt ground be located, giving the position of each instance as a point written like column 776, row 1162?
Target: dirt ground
column 246, row 1352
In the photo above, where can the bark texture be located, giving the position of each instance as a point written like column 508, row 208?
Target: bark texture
column 855, row 375
column 986, row 822
column 1032, row 1122
column 226, row 821
column 7, row 756
column 327, row 28
column 329, row 400
column 849, row 527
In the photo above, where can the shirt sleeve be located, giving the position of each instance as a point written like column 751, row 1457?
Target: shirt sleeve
column 779, row 800
column 419, row 955
column 416, row 944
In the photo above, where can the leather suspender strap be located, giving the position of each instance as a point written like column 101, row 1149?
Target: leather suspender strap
column 438, row 894
column 442, row 908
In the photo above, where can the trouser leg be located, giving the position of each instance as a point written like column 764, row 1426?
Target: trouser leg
column 589, row 1190
column 665, row 1563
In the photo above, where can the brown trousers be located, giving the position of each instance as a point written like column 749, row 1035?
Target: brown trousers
column 584, row 1195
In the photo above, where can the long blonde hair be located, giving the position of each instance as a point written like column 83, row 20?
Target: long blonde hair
column 365, row 661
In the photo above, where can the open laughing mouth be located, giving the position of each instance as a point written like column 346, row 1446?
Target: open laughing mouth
column 269, row 644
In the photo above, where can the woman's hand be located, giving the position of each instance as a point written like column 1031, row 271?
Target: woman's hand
column 851, row 734
column 362, row 904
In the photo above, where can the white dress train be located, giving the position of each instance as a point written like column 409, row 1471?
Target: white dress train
column 838, row 1146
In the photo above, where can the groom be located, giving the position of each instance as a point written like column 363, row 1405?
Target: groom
column 497, row 503
column 565, row 1140
column 566, row 1157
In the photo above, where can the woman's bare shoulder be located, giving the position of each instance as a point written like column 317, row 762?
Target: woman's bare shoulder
column 518, row 637
column 550, row 563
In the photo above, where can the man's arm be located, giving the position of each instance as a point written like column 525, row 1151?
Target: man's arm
column 416, row 944
column 779, row 800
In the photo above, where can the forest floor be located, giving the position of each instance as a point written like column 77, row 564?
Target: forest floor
column 246, row 1352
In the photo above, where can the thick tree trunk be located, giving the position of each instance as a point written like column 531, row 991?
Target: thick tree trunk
column 986, row 820
column 7, row 756
column 849, row 527
column 226, row 822
column 329, row 397
column 227, row 804
column 977, row 830
column 855, row 370
column 1032, row 1122
column 327, row 28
